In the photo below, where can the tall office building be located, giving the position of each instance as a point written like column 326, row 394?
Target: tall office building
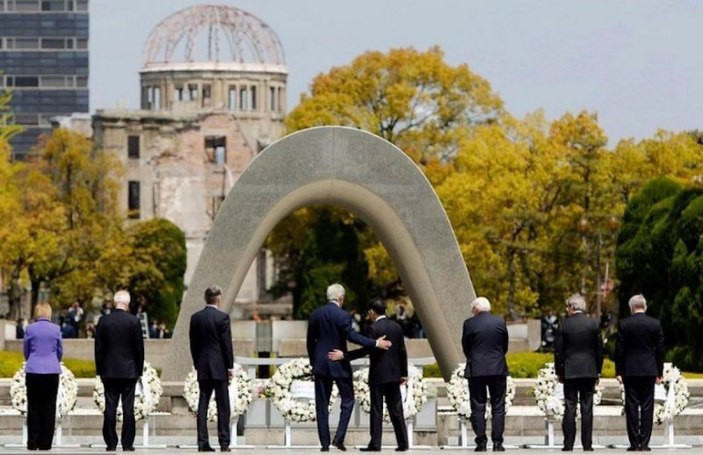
column 44, row 62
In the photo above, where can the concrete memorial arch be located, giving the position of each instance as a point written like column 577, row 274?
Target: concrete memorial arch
column 368, row 176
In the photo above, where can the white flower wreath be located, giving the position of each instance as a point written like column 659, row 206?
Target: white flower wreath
column 549, row 393
column 460, row 398
column 240, row 394
column 65, row 398
column 278, row 388
column 146, row 396
column 672, row 399
column 414, row 392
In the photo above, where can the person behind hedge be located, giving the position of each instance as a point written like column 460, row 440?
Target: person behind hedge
column 485, row 343
column 43, row 350
column 578, row 360
column 330, row 328
column 119, row 361
column 639, row 364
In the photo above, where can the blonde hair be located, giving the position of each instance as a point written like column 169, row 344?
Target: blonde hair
column 42, row 310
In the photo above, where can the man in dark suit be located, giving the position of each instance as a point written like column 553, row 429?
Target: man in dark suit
column 578, row 359
column 213, row 359
column 485, row 343
column 329, row 328
column 119, row 361
column 388, row 370
column 639, row 364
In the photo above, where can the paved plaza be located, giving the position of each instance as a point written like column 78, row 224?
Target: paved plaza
column 259, row 450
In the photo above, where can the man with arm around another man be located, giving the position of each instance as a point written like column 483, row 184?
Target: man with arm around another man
column 485, row 343
column 578, row 359
column 639, row 363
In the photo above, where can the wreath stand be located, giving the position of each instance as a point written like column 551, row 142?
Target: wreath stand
column 548, row 437
column 58, row 436
column 304, row 392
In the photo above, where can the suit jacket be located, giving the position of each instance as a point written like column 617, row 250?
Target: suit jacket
column 386, row 366
column 43, row 347
column 329, row 328
column 640, row 346
column 485, row 343
column 119, row 346
column 578, row 348
column 211, row 343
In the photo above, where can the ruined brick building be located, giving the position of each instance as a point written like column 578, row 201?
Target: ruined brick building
column 213, row 95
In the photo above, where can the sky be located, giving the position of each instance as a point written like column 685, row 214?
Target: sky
column 636, row 63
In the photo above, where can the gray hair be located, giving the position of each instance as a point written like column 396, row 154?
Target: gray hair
column 335, row 292
column 638, row 302
column 121, row 298
column 481, row 304
column 576, row 302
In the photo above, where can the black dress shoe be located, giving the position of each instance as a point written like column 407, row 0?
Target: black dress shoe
column 633, row 449
column 128, row 449
column 339, row 445
column 567, row 449
column 111, row 449
column 498, row 448
column 370, row 449
column 206, row 449
column 225, row 449
column 401, row 449
column 325, row 449
column 588, row 449
column 645, row 449
column 480, row 448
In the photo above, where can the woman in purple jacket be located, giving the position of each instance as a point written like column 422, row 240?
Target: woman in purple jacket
column 43, row 350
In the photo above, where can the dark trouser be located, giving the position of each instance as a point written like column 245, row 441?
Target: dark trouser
column 323, row 391
column 639, row 409
column 41, row 409
column 221, row 389
column 116, row 388
column 495, row 385
column 394, row 402
column 578, row 390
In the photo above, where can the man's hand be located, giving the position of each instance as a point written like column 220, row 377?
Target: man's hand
column 560, row 379
column 403, row 380
column 658, row 380
column 230, row 375
column 335, row 355
column 382, row 343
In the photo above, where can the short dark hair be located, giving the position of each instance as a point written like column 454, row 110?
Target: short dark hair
column 377, row 306
column 212, row 293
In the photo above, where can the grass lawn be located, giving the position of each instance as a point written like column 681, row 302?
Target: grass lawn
column 11, row 361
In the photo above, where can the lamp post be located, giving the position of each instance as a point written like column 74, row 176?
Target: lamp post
column 610, row 225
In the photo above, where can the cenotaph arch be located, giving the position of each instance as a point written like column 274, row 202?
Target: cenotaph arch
column 364, row 174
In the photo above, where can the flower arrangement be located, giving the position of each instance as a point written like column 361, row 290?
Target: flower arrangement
column 240, row 394
column 460, row 398
column 278, row 388
column 549, row 393
column 146, row 396
column 676, row 391
column 65, row 398
column 414, row 392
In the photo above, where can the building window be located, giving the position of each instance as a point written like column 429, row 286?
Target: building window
column 153, row 98
column 232, row 98
column 216, row 149
column 82, row 5
column 133, row 202
column 206, row 95
column 25, row 6
column 272, row 99
column 178, row 93
column 133, row 147
column 253, row 97
column 26, row 81
column 192, row 92
column 243, row 98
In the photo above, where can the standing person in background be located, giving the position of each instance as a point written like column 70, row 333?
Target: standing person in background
column 43, row 350
column 639, row 364
column 119, row 361
column 213, row 359
column 485, row 343
column 388, row 371
column 578, row 359
column 330, row 328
